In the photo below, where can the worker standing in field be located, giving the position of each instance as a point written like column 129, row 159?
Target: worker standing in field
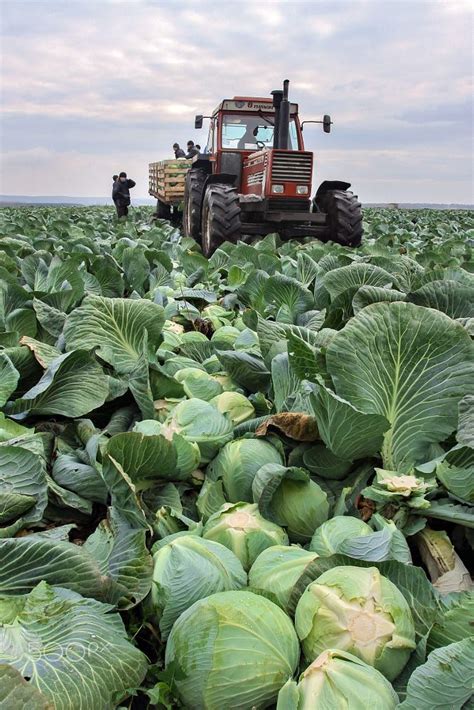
column 121, row 194
column 114, row 180
column 178, row 152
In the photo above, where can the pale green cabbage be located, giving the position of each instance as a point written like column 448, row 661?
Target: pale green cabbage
column 232, row 650
column 356, row 609
column 242, row 529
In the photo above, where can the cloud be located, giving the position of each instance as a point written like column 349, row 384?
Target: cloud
column 93, row 82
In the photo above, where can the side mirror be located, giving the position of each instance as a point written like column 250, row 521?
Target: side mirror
column 198, row 121
column 327, row 123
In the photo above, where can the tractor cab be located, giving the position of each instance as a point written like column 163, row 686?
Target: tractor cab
column 244, row 125
column 255, row 177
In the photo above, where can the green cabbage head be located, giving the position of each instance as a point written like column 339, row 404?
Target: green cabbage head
column 289, row 498
column 235, row 405
column 232, row 650
column 188, row 568
column 237, row 464
column 338, row 680
column 277, row 570
column 328, row 538
column 356, row 609
column 243, row 530
column 199, row 422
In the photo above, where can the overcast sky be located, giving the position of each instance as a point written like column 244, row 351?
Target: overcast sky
column 91, row 88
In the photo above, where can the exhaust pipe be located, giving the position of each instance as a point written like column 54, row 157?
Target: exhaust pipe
column 284, row 118
column 277, row 97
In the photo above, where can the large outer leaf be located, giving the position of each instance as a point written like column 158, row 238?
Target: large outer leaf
column 144, row 458
column 288, row 296
column 116, row 327
column 349, row 433
column 272, row 337
column 367, row 295
column 28, row 560
column 247, row 370
column 123, row 559
column 410, row 364
column 18, row 694
column 465, row 433
column 72, row 386
column 451, row 297
column 9, row 377
column 454, row 621
column 80, row 659
column 22, row 474
column 346, row 277
column 70, row 471
column 444, row 681
column 50, row 318
column 112, row 566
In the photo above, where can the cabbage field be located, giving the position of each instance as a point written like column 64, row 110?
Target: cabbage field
column 238, row 483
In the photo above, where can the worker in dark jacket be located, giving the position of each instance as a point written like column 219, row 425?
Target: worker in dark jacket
column 114, row 180
column 178, row 152
column 192, row 150
column 121, row 194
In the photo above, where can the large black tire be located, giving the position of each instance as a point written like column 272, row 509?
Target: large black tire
column 220, row 217
column 193, row 188
column 163, row 211
column 344, row 216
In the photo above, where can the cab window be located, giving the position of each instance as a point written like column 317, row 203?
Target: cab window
column 240, row 132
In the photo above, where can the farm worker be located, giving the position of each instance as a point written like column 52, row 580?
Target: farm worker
column 121, row 194
column 192, row 150
column 178, row 152
column 114, row 180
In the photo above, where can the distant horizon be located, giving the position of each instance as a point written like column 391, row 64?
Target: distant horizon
column 144, row 201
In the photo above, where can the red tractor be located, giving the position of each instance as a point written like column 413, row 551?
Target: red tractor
column 254, row 177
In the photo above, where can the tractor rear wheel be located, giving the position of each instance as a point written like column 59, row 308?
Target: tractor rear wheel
column 220, row 217
column 344, row 216
column 193, row 188
column 163, row 211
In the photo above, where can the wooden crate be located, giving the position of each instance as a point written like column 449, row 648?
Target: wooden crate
column 166, row 179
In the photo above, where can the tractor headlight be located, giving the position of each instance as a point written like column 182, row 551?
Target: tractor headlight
column 302, row 190
column 278, row 189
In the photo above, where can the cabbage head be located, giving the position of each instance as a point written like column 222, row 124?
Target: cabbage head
column 235, row 405
column 243, row 530
column 289, row 497
column 356, row 609
column 277, row 570
column 232, row 651
column 237, row 464
column 338, row 680
column 188, row 568
column 201, row 423
column 328, row 538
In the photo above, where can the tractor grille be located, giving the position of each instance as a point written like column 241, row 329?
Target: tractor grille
column 292, row 167
column 284, row 204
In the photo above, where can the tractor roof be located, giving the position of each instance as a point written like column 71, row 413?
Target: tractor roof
column 250, row 103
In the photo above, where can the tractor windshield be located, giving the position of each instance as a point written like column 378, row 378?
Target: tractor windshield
column 240, row 132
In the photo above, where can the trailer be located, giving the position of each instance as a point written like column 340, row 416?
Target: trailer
column 166, row 179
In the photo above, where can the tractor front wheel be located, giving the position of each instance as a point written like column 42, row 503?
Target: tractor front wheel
column 344, row 216
column 193, row 188
column 220, row 217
